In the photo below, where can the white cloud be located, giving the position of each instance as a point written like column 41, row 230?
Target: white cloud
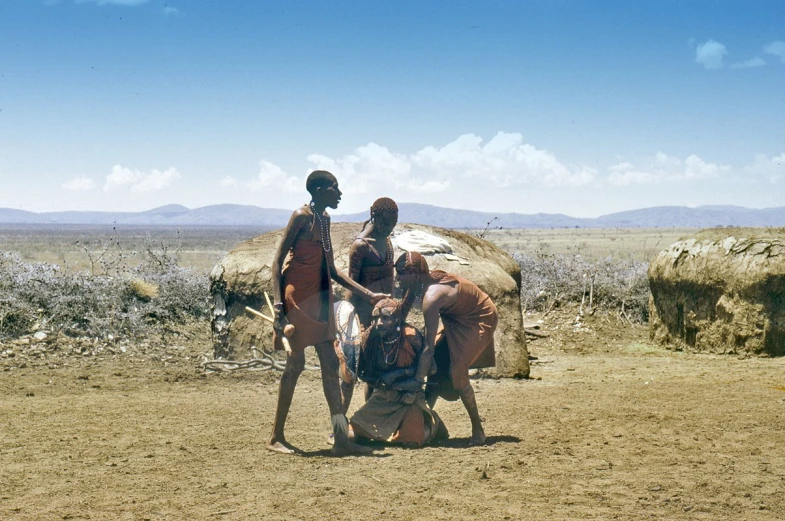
column 663, row 161
column 754, row 62
column 227, row 182
column 171, row 11
column 631, row 177
column 505, row 171
column 663, row 168
column 79, row 184
column 272, row 176
column 369, row 166
column 772, row 169
column 625, row 174
column 711, row 54
column 697, row 168
column 428, row 186
column 777, row 49
column 504, row 161
column 135, row 181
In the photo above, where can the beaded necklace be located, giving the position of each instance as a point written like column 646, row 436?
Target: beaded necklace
column 387, row 261
column 390, row 252
column 324, row 232
column 394, row 349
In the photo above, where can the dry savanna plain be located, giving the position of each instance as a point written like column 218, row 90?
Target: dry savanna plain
column 609, row 426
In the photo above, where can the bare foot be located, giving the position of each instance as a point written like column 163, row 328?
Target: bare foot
column 280, row 446
column 478, row 438
column 331, row 436
column 441, row 430
column 350, row 449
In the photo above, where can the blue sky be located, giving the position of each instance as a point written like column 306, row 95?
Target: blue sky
column 575, row 107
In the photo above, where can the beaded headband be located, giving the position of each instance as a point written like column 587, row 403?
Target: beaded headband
column 386, row 308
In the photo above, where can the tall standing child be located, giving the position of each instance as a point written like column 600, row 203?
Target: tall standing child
column 303, row 269
column 371, row 266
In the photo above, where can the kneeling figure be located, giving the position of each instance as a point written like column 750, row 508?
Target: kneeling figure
column 397, row 411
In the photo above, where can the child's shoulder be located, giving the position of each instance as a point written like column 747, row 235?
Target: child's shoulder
column 359, row 244
column 413, row 335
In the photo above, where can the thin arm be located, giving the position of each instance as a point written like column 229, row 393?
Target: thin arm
column 432, row 304
column 357, row 252
column 342, row 279
column 297, row 222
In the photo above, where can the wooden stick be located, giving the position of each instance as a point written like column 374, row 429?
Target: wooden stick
column 552, row 304
column 269, row 304
column 591, row 295
column 286, row 346
column 259, row 314
column 284, row 340
column 625, row 313
column 536, row 333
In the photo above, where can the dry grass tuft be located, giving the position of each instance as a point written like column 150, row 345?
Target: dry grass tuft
column 143, row 290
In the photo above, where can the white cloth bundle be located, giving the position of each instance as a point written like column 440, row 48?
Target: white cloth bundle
column 421, row 242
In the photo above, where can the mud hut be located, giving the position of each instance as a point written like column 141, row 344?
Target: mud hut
column 722, row 291
column 242, row 276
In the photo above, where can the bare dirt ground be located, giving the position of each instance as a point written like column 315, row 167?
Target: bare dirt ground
column 609, row 427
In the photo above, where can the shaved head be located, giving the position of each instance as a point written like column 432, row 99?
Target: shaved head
column 319, row 179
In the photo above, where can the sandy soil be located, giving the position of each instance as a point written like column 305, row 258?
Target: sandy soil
column 609, row 427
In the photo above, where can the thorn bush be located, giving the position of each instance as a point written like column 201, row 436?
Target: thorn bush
column 549, row 280
column 110, row 298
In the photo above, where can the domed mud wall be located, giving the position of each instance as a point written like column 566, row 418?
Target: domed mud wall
column 241, row 277
column 722, row 291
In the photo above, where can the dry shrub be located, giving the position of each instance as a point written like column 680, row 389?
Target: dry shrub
column 133, row 302
column 142, row 289
column 549, row 280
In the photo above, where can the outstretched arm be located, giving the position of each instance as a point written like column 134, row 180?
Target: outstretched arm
column 342, row 279
column 350, row 284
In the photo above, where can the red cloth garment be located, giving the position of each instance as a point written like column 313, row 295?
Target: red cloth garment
column 412, row 428
column 469, row 324
column 376, row 274
column 392, row 415
column 307, row 293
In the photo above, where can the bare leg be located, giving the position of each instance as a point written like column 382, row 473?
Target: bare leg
column 467, row 397
column 295, row 363
column 332, row 392
column 347, row 391
column 441, row 429
column 431, row 397
column 431, row 394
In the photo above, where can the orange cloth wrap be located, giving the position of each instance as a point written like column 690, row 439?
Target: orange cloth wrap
column 469, row 325
column 307, row 296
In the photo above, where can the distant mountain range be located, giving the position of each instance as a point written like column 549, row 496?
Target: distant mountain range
column 240, row 215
